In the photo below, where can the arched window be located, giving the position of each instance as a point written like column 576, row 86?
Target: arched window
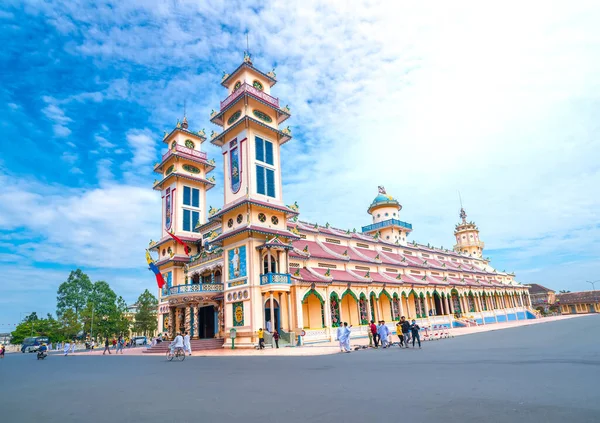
column 196, row 278
column 266, row 264
column 217, row 276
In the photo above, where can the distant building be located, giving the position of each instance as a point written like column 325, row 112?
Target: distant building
column 541, row 296
column 578, row 302
column 5, row 338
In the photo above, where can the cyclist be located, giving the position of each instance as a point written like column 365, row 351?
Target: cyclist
column 177, row 343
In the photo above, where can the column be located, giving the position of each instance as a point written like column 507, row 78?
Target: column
column 401, row 307
column 268, row 260
column 289, row 310
column 393, row 304
column 272, row 309
column 188, row 319
column 327, row 311
column 281, row 325
column 194, row 322
column 263, row 299
column 300, row 312
column 426, row 302
column 171, row 327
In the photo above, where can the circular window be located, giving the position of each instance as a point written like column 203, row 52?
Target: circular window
column 234, row 117
column 237, row 86
column 190, row 144
column 262, row 116
column 378, row 215
column 170, row 169
column 387, row 237
column 274, row 220
column 173, row 144
column 245, row 294
column 190, row 168
column 394, row 214
column 463, row 237
column 256, row 84
column 239, row 218
column 235, row 295
column 230, row 223
column 262, row 217
column 387, row 214
column 229, row 297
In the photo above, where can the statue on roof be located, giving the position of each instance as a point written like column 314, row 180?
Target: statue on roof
column 247, row 58
column 202, row 133
column 463, row 215
column 272, row 74
column 381, row 189
column 184, row 123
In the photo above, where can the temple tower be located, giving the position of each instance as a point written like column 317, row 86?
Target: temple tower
column 467, row 237
column 183, row 185
column 254, row 236
column 387, row 225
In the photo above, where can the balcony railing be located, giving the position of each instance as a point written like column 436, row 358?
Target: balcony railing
column 277, row 278
column 385, row 223
column 208, row 257
column 249, row 88
column 192, row 288
column 186, row 151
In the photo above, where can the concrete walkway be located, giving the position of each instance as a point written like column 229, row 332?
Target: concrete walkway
column 333, row 347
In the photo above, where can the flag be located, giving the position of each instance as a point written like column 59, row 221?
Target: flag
column 160, row 281
column 179, row 241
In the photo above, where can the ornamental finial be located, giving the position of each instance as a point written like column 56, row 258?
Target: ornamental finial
column 247, row 58
column 184, row 123
column 381, row 189
column 463, row 215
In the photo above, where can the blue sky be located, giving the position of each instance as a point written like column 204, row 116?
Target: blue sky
column 500, row 103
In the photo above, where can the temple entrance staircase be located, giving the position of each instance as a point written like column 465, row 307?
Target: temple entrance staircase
column 197, row 345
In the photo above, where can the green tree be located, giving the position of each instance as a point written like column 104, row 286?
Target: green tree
column 69, row 327
column 145, row 317
column 34, row 326
column 122, row 324
column 74, row 293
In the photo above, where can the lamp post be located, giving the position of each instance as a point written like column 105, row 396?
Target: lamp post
column 593, row 283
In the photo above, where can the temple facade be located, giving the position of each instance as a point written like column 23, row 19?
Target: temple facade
column 254, row 264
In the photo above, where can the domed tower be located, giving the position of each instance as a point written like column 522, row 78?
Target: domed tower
column 467, row 237
column 386, row 219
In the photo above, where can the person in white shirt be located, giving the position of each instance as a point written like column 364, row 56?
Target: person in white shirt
column 177, row 342
column 187, row 346
column 269, row 326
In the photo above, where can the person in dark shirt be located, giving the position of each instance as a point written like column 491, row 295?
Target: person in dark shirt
column 405, row 330
column 106, row 346
column 374, row 333
column 414, row 328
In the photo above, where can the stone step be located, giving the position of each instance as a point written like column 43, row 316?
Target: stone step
column 197, row 345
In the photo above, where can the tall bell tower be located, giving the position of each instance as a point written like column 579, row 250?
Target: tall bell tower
column 467, row 237
column 254, row 234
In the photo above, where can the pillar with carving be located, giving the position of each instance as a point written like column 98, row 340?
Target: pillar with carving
column 188, row 320
column 171, row 327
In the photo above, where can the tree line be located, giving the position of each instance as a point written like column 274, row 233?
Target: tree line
column 86, row 309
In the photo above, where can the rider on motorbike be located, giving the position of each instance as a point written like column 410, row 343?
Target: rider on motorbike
column 42, row 351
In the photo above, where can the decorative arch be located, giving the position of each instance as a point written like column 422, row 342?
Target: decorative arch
column 421, row 295
column 352, row 294
column 312, row 291
column 395, row 296
column 387, row 294
column 454, row 292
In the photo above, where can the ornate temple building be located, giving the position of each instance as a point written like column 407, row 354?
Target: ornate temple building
column 254, row 264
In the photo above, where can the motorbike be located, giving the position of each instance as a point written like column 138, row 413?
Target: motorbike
column 41, row 355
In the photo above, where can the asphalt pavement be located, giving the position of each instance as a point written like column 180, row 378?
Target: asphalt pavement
column 540, row 373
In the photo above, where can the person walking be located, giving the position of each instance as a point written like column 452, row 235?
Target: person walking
column 276, row 338
column 399, row 334
column 2, row 351
column 73, row 345
column 373, row 329
column 187, row 345
column 67, row 348
column 261, row 339
column 106, row 346
column 405, row 330
column 414, row 328
column 345, row 338
column 339, row 336
column 114, row 343
column 120, row 345
column 383, row 333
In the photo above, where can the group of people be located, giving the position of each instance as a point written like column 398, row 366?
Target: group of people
column 405, row 330
column 182, row 342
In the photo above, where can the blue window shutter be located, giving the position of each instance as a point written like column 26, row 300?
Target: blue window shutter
column 195, row 197
column 269, row 152
column 260, row 153
column 270, row 183
column 195, row 219
column 186, row 196
column 186, row 220
column 260, row 179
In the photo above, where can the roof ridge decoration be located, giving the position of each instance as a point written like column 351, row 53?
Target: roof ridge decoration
column 212, row 211
column 318, row 275
column 295, row 231
column 357, row 276
column 328, row 273
column 333, row 253
column 305, row 249
column 294, row 207
column 377, row 256
column 399, row 277
column 297, row 272
column 445, row 279
column 424, row 278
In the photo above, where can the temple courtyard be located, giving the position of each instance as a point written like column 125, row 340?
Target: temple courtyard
column 543, row 372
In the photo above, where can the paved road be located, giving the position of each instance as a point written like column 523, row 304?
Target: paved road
column 539, row 373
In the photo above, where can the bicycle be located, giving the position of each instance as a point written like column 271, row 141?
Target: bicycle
column 179, row 354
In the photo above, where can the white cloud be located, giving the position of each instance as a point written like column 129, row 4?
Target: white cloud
column 103, row 142
column 57, row 115
column 143, row 147
column 70, row 157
